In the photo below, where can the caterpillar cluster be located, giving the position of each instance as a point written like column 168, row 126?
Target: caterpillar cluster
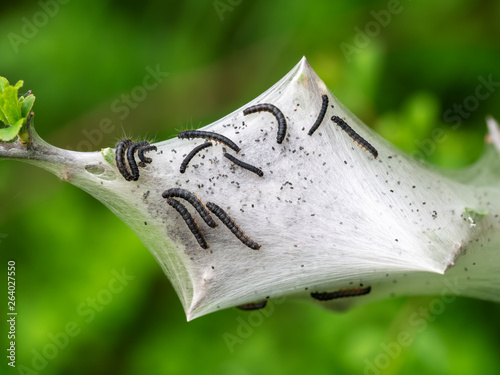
column 327, row 296
column 195, row 202
column 190, row 222
column 205, row 215
column 131, row 173
column 188, row 134
column 126, row 164
column 216, row 137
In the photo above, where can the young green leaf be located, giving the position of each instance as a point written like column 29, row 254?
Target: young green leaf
column 9, row 133
column 19, row 84
column 14, row 111
column 9, row 105
column 26, row 105
column 3, row 83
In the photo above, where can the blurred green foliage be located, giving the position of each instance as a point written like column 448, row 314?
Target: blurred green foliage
column 80, row 58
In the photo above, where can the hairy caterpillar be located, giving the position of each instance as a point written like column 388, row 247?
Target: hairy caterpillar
column 276, row 112
column 355, row 136
column 195, row 202
column 191, row 155
column 131, row 147
column 131, row 160
column 209, row 135
column 326, row 296
column 193, row 227
column 228, row 222
column 141, row 152
column 253, row 305
column 321, row 115
column 244, row 165
column 120, row 158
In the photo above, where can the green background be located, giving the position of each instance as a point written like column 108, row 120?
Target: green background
column 84, row 55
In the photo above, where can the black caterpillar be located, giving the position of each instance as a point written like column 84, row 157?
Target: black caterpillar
column 326, row 296
column 132, row 172
column 120, row 158
column 209, row 135
column 131, row 160
column 355, row 136
column 276, row 112
column 253, row 305
column 244, row 165
column 145, row 159
column 195, row 202
column 191, row 155
column 321, row 115
column 191, row 223
column 228, row 222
